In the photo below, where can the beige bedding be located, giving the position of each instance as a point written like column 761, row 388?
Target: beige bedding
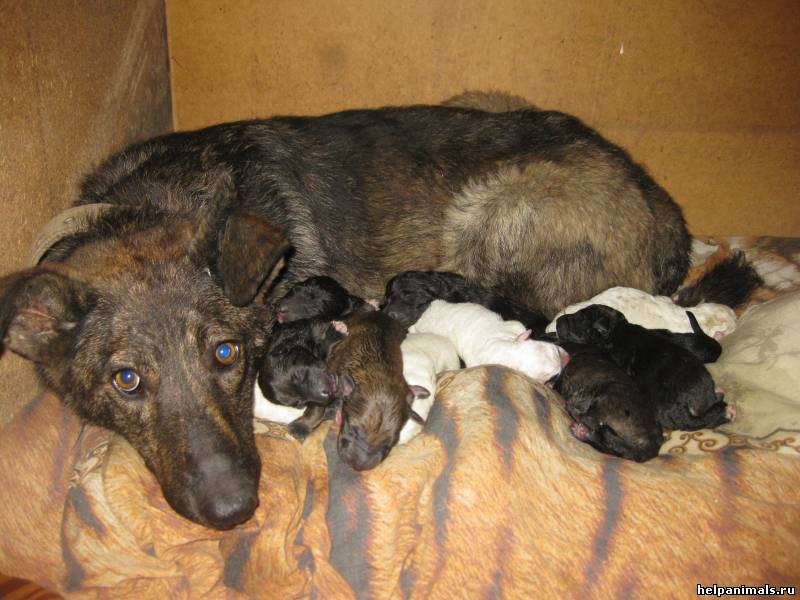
column 494, row 499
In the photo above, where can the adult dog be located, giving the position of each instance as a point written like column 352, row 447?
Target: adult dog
column 149, row 319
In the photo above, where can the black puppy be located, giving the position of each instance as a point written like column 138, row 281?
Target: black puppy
column 677, row 383
column 321, row 297
column 610, row 411
column 294, row 371
column 409, row 294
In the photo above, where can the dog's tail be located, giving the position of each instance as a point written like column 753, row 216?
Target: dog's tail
column 731, row 282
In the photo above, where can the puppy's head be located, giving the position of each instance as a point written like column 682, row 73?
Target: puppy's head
column 592, row 325
column 609, row 409
column 691, row 399
column 294, row 371
column 143, row 332
column 409, row 294
column 315, row 297
column 370, row 424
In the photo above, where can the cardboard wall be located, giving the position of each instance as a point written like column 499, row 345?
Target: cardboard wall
column 706, row 93
column 78, row 80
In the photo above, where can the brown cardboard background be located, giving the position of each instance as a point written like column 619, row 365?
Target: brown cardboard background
column 78, row 80
column 705, row 93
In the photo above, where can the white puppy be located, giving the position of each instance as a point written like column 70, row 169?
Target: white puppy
column 659, row 312
column 481, row 337
column 424, row 356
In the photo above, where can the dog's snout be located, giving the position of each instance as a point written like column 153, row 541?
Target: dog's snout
column 227, row 494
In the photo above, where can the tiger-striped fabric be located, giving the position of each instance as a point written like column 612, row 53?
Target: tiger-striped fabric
column 495, row 499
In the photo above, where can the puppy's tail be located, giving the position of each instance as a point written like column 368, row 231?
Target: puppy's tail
column 731, row 282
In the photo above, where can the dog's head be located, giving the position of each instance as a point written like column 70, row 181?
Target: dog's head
column 316, row 297
column 294, row 371
column 147, row 324
column 592, row 325
column 409, row 294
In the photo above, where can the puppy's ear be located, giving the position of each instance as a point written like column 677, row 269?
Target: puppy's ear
column 243, row 250
column 419, row 392
column 346, row 385
column 524, row 336
column 40, row 314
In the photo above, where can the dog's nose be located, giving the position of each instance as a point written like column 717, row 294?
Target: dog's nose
column 227, row 495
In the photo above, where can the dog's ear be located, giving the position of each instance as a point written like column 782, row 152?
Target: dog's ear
column 243, row 250
column 248, row 252
column 40, row 313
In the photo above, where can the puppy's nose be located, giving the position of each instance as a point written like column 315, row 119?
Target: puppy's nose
column 227, row 495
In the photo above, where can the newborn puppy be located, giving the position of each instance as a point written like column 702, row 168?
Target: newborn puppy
column 658, row 312
column 425, row 355
column 609, row 409
column 409, row 294
column 321, row 297
column 482, row 337
column 680, row 388
column 377, row 405
column 294, row 372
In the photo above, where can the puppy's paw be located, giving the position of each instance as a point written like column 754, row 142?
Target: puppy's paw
column 299, row 431
column 730, row 412
column 410, row 430
column 340, row 326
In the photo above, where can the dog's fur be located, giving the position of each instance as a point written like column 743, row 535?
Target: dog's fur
column 532, row 204
column 609, row 409
column 425, row 355
column 409, row 294
column 375, row 409
column 677, row 383
column 482, row 337
column 495, row 102
column 320, row 297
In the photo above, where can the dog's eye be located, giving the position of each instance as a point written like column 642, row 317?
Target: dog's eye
column 126, row 381
column 227, row 353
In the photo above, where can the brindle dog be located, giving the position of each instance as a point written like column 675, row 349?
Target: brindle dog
column 149, row 320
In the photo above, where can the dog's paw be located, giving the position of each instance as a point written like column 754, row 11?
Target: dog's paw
column 340, row 326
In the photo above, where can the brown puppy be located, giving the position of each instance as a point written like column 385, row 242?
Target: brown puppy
column 378, row 404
